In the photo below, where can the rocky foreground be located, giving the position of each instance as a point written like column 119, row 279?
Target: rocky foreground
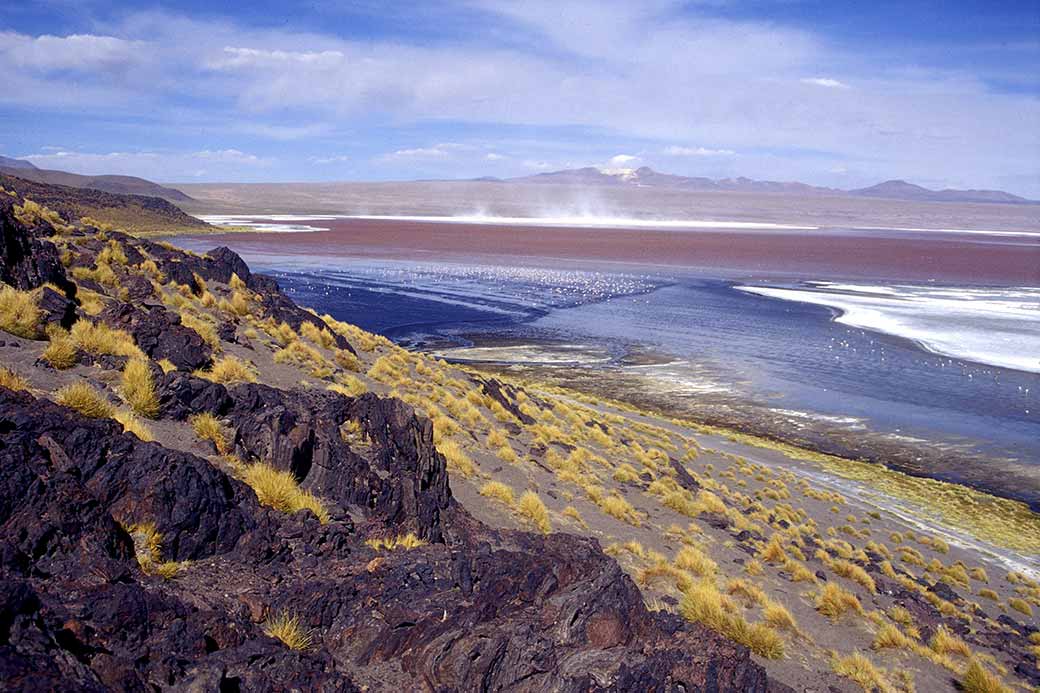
column 130, row 565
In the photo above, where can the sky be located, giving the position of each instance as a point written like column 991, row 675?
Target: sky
column 842, row 94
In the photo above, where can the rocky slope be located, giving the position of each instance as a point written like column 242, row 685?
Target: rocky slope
column 135, row 208
column 134, row 565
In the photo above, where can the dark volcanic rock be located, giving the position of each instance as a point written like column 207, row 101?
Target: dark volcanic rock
column 27, row 262
column 505, row 395
column 181, row 395
column 475, row 609
column 160, row 334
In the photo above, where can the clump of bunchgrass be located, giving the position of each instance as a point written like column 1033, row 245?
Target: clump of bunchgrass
column 86, row 400
column 286, row 627
column 208, row 427
column 281, row 491
column 498, row 491
column 132, row 424
column 138, row 388
column 833, row 602
column 11, row 380
column 100, row 339
column 229, row 370
column 61, row 352
column 19, row 313
column 400, row 541
column 534, row 511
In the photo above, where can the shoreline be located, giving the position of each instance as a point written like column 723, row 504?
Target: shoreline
column 602, row 377
column 926, row 502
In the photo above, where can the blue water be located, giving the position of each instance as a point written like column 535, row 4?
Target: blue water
column 776, row 354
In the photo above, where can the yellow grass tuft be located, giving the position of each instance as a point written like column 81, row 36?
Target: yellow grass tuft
column 777, row 616
column 498, row 491
column 534, row 511
column 229, row 370
column 626, row 473
column 19, row 313
column 890, row 637
column 166, row 365
column 833, row 602
column 944, row 642
column 280, row 490
column 208, row 427
column 305, row 357
column 61, row 352
column 773, row 552
column 617, row 507
column 287, row 628
column 205, row 329
column 86, row 400
column 749, row 592
column 456, row 458
column 861, row 670
column 138, row 388
column 571, row 512
column 347, row 385
column 693, row 560
column 1020, row 605
column 401, row 541
column 978, row 680
column 318, row 335
column 99, row 339
column 702, row 602
column 11, row 380
column 753, row 567
column 132, row 424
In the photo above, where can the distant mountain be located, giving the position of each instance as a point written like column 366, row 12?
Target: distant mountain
column 901, row 190
column 8, row 162
column 120, row 185
column 648, row 178
column 134, row 213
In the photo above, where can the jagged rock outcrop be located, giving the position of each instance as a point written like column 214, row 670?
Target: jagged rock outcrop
column 160, row 334
column 26, row 262
column 475, row 609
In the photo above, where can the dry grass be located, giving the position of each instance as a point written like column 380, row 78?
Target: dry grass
column 401, row 541
column 148, row 551
column 702, row 602
column 138, row 388
column 11, row 380
column 304, row 357
column 19, row 313
column 287, row 628
column 847, row 569
column 1020, row 605
column 534, row 511
column 498, row 491
column 861, row 670
column 616, row 506
column 206, row 329
column 572, row 513
column 457, row 459
column 86, row 400
column 61, row 352
column 99, row 339
column 693, row 560
column 208, row 427
column 890, row 637
column 777, row 616
column 833, row 602
column 625, row 473
column 280, row 490
column 944, row 642
column 978, row 680
column 134, row 425
column 773, row 551
column 229, row 370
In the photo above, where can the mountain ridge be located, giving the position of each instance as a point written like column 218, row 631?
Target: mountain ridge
column 645, row 176
column 119, row 185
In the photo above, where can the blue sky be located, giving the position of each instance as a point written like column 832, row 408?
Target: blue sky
column 831, row 93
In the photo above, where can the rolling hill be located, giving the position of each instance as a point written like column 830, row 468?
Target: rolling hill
column 120, row 185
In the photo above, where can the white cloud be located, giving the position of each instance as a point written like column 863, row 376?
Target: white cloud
column 492, row 156
column 152, row 165
column 76, row 52
column 676, row 150
column 742, row 84
column 824, row 82
column 329, row 159
column 623, row 160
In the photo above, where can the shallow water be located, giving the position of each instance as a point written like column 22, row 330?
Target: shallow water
column 778, row 349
